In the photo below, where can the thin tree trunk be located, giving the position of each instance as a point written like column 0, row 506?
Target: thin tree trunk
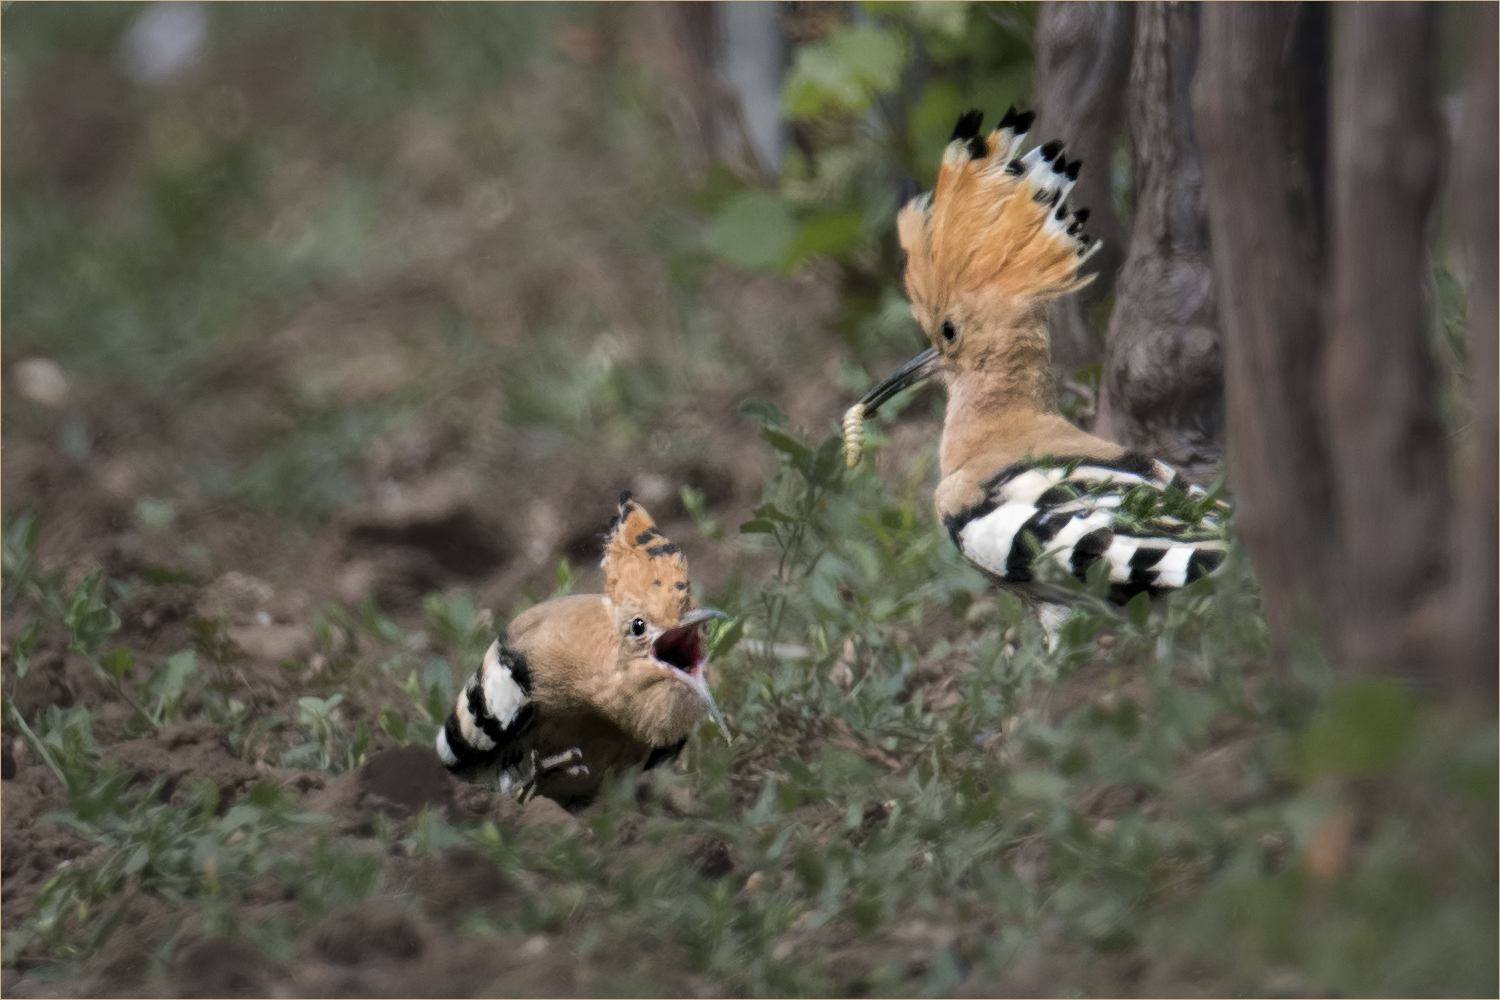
column 1385, row 436
column 1266, row 259
column 1164, row 368
column 1477, row 176
column 1082, row 62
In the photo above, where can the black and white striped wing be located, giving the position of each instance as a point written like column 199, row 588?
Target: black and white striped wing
column 491, row 717
column 1072, row 513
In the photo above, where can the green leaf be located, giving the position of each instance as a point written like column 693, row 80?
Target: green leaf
column 1364, row 730
column 725, row 636
column 161, row 576
column 763, row 412
column 170, row 676
column 267, row 796
column 137, row 859
column 1080, row 628
column 785, row 443
column 832, row 233
column 828, row 463
column 1044, row 786
column 773, row 513
column 844, row 74
column 758, row 526
column 1139, row 609
column 1012, row 610
column 20, row 649
column 754, row 230
column 119, row 662
column 154, row 513
column 359, row 744
column 392, row 723
column 240, row 815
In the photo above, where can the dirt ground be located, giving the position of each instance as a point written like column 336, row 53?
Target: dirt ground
column 428, row 523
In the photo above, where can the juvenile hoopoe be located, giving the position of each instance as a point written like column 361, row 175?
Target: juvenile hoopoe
column 1021, row 486
column 586, row 684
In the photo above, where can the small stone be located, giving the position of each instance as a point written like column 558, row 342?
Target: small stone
column 1012, row 634
column 1106, row 641
column 42, row 381
column 543, row 810
column 840, row 673
column 753, row 885
column 274, row 643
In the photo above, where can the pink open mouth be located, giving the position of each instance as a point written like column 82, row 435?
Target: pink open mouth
column 681, row 648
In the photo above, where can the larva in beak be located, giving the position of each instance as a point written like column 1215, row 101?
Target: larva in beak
column 921, row 367
column 854, row 434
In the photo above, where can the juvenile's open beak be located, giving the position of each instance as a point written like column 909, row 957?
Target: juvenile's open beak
column 697, row 615
column 699, row 683
column 681, row 647
column 917, row 369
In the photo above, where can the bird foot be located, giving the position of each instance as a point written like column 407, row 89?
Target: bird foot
column 568, row 762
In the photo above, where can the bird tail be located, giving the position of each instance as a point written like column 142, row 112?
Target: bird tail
column 996, row 218
column 489, row 715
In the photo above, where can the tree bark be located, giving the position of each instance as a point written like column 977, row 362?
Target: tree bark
column 1266, row 259
column 1082, row 62
column 1476, row 540
column 1385, row 436
column 1164, row 371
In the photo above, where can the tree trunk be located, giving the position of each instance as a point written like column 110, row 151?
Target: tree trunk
column 1385, row 436
column 1164, row 370
column 1082, row 60
column 751, row 56
column 1266, row 259
column 1476, row 177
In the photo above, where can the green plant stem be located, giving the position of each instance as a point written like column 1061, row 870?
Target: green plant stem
column 38, row 746
column 124, row 693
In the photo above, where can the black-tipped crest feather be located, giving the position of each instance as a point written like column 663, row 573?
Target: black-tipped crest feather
column 968, row 125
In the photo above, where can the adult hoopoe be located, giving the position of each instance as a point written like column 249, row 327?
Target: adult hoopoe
column 1021, row 487
column 585, row 684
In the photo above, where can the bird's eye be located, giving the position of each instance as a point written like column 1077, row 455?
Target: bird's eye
column 950, row 332
column 638, row 627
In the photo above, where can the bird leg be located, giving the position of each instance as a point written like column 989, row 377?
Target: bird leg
column 569, row 760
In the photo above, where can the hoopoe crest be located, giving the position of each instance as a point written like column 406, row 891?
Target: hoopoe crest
column 1022, row 488
column 586, row 684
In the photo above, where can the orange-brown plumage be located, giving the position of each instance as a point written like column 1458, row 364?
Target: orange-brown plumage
column 586, row 684
column 992, row 244
column 985, row 252
column 641, row 565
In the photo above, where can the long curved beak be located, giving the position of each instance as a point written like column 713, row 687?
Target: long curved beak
column 699, row 683
column 697, row 615
column 921, row 367
column 695, row 678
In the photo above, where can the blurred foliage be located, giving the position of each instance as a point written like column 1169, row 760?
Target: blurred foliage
column 337, row 222
column 910, row 762
column 869, row 104
column 904, row 757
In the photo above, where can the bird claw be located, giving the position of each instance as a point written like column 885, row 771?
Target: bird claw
column 564, row 761
column 560, row 760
